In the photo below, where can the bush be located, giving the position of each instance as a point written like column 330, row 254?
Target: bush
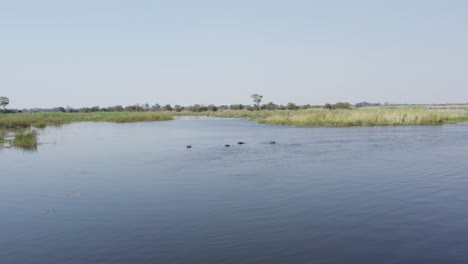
column 339, row 105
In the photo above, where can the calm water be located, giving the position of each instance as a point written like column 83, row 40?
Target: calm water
column 132, row 193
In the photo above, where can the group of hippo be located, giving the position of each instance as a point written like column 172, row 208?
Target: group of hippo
column 238, row 143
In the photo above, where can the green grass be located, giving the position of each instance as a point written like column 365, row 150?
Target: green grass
column 367, row 116
column 25, row 139
column 371, row 116
column 3, row 133
column 41, row 120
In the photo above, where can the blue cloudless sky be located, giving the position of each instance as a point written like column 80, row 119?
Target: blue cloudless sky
column 103, row 52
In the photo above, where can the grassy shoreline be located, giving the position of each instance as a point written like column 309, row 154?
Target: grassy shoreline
column 366, row 116
column 22, row 125
column 41, row 120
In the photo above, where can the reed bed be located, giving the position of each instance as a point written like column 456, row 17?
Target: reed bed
column 366, row 116
column 41, row 120
column 370, row 116
column 3, row 134
column 463, row 107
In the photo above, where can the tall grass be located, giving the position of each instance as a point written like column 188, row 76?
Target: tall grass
column 41, row 120
column 366, row 116
column 371, row 116
column 25, row 139
column 2, row 136
column 462, row 107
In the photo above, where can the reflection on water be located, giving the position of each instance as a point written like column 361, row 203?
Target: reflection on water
column 133, row 193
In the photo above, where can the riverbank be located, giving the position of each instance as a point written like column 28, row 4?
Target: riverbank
column 40, row 120
column 366, row 116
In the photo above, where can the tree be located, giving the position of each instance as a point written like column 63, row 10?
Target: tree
column 291, row 106
column 257, row 98
column 236, row 107
column 212, row 108
column 156, row 107
column 4, row 101
column 167, row 107
column 339, row 105
column 271, row 106
column 178, row 108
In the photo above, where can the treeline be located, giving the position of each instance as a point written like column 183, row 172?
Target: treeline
column 191, row 108
column 168, row 107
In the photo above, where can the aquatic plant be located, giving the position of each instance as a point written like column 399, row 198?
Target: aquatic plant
column 2, row 136
column 25, row 139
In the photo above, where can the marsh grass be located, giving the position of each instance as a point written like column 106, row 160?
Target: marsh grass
column 41, row 120
column 3, row 134
column 372, row 116
column 462, row 107
column 25, row 139
column 366, row 116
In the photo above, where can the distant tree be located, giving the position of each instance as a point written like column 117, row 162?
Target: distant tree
column 178, row 108
column 167, row 107
column 197, row 108
column 257, row 98
column 341, row 105
column 250, row 108
column 212, row 108
column 237, row 107
column 364, row 104
column 292, row 106
column 70, row 109
column 338, row 105
column 4, row 101
column 61, row 109
column 156, row 107
column 271, row 106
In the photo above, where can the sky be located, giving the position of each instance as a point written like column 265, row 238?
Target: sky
column 111, row 52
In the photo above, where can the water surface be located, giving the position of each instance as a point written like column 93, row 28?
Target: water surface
column 132, row 193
